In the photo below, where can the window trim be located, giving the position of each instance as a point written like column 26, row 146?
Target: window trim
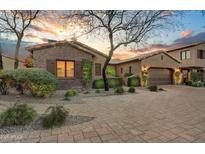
column 185, row 52
column 202, row 53
column 100, row 69
column 65, row 77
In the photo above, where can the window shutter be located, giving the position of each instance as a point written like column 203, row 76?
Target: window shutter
column 78, row 69
column 51, row 66
column 203, row 54
column 198, row 54
column 97, row 69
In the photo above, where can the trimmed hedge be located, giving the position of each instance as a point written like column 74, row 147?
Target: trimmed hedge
column 113, row 83
column 119, row 90
column 133, row 81
column 131, row 90
column 70, row 93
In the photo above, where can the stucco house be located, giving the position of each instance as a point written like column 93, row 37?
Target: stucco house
column 64, row 59
column 192, row 59
column 160, row 67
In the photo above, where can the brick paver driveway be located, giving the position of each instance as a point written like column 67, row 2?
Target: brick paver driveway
column 175, row 115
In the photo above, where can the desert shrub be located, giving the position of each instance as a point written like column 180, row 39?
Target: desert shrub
column 153, row 88
column 110, row 71
column 127, row 74
column 56, row 116
column 113, row 83
column 70, row 93
column 119, row 90
column 97, row 91
column 39, row 82
column 196, row 76
column 131, row 90
column 28, row 62
column 19, row 114
column 133, row 81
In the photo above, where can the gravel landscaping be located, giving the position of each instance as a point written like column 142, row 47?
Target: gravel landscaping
column 37, row 125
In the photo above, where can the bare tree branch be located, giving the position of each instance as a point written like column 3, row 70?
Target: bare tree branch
column 16, row 22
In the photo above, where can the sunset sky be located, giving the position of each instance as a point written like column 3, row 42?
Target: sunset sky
column 50, row 27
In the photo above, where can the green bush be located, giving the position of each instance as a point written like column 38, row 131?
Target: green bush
column 110, row 71
column 196, row 76
column 19, row 114
column 197, row 84
column 131, row 90
column 153, row 88
column 70, row 93
column 133, row 81
column 39, row 82
column 113, row 83
column 189, row 83
column 127, row 74
column 97, row 91
column 56, row 116
column 119, row 90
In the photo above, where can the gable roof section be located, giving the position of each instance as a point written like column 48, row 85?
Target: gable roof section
column 186, row 46
column 74, row 44
column 145, row 56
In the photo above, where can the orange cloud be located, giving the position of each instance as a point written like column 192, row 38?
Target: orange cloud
column 36, row 38
column 186, row 33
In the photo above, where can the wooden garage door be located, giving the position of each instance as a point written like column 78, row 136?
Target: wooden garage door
column 159, row 76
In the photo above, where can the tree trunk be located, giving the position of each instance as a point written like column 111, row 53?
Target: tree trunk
column 16, row 63
column 1, row 61
column 106, row 86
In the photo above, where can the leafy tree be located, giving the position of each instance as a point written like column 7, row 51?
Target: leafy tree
column 16, row 22
column 122, row 28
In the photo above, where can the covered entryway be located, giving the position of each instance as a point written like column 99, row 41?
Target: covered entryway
column 160, row 76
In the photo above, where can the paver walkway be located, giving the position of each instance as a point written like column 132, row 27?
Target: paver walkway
column 176, row 115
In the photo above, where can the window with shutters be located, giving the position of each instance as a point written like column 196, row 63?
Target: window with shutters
column 201, row 54
column 97, row 69
column 65, row 69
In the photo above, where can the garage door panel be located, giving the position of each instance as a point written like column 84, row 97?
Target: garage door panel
column 160, row 76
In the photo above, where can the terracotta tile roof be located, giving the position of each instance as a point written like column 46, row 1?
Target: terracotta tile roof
column 75, row 44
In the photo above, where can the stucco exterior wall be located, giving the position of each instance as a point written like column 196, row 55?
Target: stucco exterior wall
column 187, row 62
column 97, row 59
column 67, row 52
column 135, row 65
column 61, row 53
column 160, row 60
column 8, row 63
column 199, row 62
